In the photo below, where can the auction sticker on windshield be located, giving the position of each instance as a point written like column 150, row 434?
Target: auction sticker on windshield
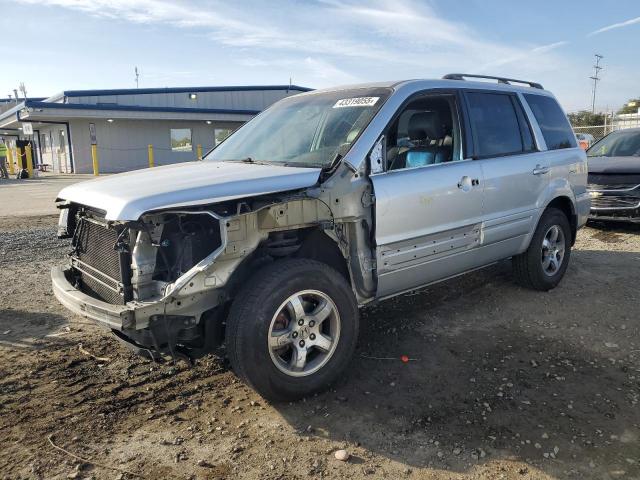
column 356, row 102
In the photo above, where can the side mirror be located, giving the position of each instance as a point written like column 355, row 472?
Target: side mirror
column 376, row 157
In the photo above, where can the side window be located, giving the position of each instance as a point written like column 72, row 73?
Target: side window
column 425, row 133
column 494, row 124
column 553, row 122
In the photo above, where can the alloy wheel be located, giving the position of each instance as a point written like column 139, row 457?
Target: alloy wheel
column 553, row 249
column 304, row 333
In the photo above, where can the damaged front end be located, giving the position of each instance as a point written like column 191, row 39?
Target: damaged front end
column 163, row 284
column 141, row 278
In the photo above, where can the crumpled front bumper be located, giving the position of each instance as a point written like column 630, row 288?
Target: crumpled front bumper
column 114, row 317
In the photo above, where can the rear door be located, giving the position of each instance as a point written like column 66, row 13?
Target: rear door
column 428, row 217
column 567, row 162
column 515, row 171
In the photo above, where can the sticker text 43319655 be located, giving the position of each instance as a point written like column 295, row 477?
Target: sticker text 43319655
column 356, row 102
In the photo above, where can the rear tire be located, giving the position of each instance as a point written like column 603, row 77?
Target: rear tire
column 544, row 263
column 292, row 329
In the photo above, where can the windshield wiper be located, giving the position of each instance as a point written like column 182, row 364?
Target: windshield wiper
column 249, row 160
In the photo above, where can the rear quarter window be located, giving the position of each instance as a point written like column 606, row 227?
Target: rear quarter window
column 553, row 122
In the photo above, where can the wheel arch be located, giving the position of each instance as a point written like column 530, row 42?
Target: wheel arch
column 318, row 246
column 313, row 244
column 565, row 205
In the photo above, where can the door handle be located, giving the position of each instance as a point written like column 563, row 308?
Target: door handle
column 466, row 183
column 540, row 170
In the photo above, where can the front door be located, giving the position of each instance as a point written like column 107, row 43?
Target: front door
column 428, row 207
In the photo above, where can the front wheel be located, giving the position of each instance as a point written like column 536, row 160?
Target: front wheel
column 292, row 329
column 546, row 260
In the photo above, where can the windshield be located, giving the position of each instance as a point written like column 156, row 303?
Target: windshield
column 617, row 144
column 309, row 130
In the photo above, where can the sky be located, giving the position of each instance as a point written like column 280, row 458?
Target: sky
column 56, row 45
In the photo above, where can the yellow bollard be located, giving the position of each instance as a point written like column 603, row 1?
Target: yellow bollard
column 94, row 157
column 10, row 160
column 199, row 151
column 29, row 161
column 151, row 162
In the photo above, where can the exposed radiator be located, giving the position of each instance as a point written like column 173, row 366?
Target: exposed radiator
column 97, row 261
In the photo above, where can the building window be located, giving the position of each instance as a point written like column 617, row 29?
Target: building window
column 181, row 140
column 221, row 134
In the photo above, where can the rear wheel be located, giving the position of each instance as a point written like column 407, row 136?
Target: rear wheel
column 292, row 329
column 544, row 263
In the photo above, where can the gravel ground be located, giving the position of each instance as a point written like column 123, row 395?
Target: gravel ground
column 503, row 383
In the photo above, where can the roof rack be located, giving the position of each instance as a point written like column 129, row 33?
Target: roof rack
column 508, row 81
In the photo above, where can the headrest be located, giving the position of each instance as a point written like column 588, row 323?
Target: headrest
column 425, row 125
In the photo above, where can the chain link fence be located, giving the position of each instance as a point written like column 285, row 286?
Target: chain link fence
column 588, row 135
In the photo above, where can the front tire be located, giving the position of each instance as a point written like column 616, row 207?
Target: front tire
column 292, row 329
column 544, row 263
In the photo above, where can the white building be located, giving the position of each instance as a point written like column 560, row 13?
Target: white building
column 123, row 123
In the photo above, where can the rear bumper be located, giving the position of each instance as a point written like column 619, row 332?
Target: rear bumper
column 583, row 207
column 114, row 317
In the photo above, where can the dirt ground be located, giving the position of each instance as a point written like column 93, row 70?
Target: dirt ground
column 503, row 383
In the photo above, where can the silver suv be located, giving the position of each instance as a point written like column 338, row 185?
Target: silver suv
column 325, row 202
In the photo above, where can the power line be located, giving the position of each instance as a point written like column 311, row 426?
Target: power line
column 596, row 79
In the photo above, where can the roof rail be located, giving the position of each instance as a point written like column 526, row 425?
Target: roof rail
column 508, row 81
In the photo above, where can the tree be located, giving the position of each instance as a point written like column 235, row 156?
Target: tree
column 585, row 118
column 631, row 106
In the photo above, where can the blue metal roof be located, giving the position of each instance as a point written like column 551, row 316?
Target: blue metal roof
column 12, row 100
column 136, row 108
column 144, row 91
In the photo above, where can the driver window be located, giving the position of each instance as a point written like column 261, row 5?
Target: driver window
column 425, row 133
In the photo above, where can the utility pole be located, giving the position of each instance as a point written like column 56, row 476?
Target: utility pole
column 23, row 89
column 596, row 79
column 137, row 77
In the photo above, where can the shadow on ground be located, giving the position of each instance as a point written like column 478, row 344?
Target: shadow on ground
column 30, row 330
column 614, row 227
column 499, row 371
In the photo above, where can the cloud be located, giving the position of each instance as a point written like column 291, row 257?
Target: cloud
column 613, row 26
column 387, row 30
column 428, row 39
column 327, row 40
column 223, row 24
column 308, row 71
column 528, row 55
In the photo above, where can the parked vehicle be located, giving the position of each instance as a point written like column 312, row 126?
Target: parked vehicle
column 614, row 176
column 585, row 140
column 325, row 202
